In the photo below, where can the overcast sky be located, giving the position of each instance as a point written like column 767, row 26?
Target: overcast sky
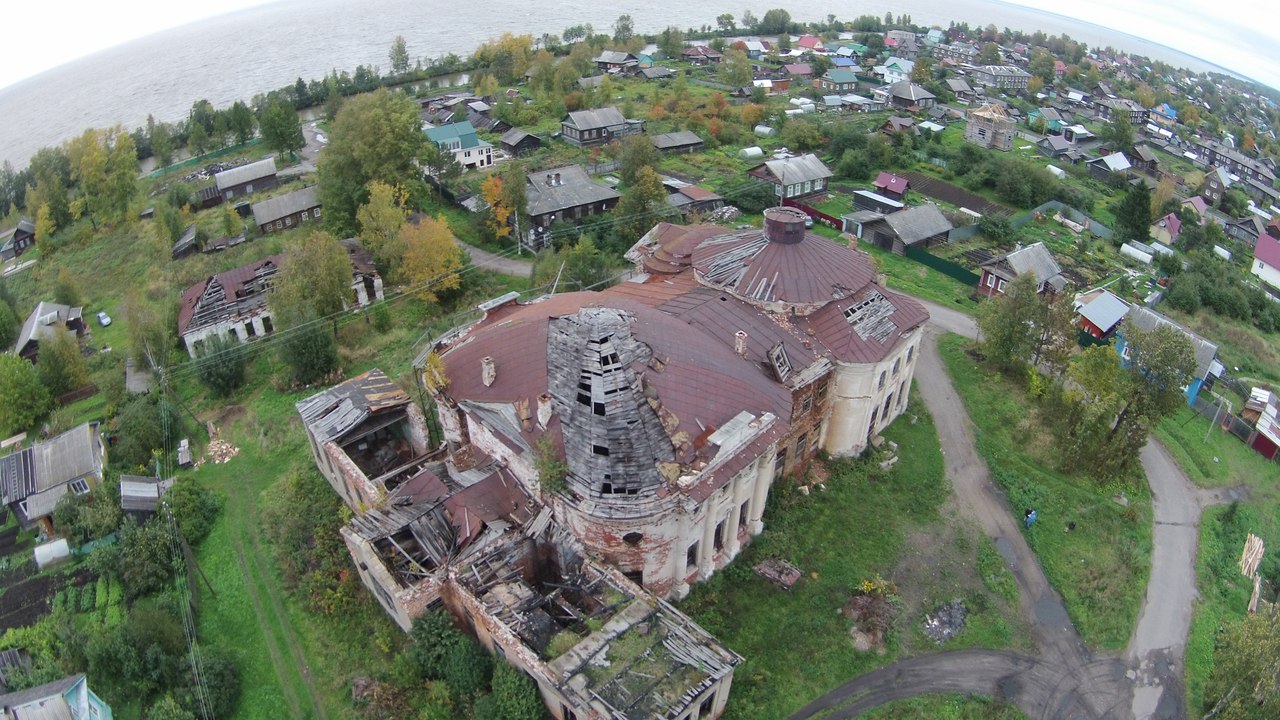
column 1238, row 34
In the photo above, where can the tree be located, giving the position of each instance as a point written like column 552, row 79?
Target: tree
column 9, row 325
column 624, row 28
column 162, row 145
column 749, row 20
column 577, row 267
column 194, row 507
column 241, row 122
column 61, row 365
column 1034, row 86
column 375, row 136
column 1006, row 323
column 432, row 258
column 1042, row 65
column 774, row 22
column 168, row 709
column 923, row 71
column 66, row 291
column 634, row 153
column 671, row 41
column 989, row 54
column 380, row 220
column 281, row 128
column 1118, row 133
column 24, row 400
column 1133, row 214
column 1245, row 681
column 220, row 364
column 45, row 229
column 498, row 219
column 147, row 424
column 197, row 139
column 1234, row 203
column 801, row 134
column 308, row 347
column 641, row 205
column 725, row 22
column 122, row 173
column 149, row 323
column 399, row 56
column 88, row 156
column 314, row 279
column 516, row 695
column 735, row 68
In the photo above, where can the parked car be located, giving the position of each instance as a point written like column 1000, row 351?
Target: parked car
column 103, row 318
column 808, row 221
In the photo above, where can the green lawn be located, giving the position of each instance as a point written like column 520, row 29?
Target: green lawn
column 946, row 707
column 1101, row 567
column 1214, row 458
column 867, row 523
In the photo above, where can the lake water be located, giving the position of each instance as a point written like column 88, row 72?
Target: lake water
column 235, row 56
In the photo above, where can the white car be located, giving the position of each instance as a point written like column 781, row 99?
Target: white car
column 103, row 318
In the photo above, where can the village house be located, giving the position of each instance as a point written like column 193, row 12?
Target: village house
column 837, row 80
column 18, row 240
column 891, row 186
column 1100, row 313
column 287, row 211
column 469, row 151
column 922, row 226
column 246, row 179
column 896, row 125
column 44, row 321
column 797, row 72
column 908, row 95
column 1248, row 229
column 565, row 193
column 517, row 142
column 1003, row 77
column 693, row 199
column 794, row 177
column 1034, row 260
column 187, row 244
column 960, row 88
column 67, row 699
column 811, row 43
column 1145, row 160
column 990, row 127
column 1266, row 259
column 34, row 479
column 1214, row 154
column 231, row 303
column 1216, row 182
column 677, row 143
column 875, row 204
column 701, row 55
column 1108, row 108
column 1167, row 229
column 895, row 69
column 960, row 53
column 657, row 72
column 1052, row 119
column 1164, row 115
column 1207, row 368
column 1197, row 205
column 1055, row 147
column 1104, row 167
column 598, row 127
column 617, row 61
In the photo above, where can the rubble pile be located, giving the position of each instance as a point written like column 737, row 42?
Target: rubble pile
column 946, row 621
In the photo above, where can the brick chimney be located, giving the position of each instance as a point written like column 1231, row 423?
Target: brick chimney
column 488, row 371
column 558, row 182
column 548, row 179
column 740, row 343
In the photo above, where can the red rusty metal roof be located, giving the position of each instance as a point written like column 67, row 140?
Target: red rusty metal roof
column 811, row 272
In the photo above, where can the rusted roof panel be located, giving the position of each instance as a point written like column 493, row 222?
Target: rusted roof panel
column 330, row 414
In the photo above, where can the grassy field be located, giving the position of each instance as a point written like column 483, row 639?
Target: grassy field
column 868, row 523
column 946, row 707
column 1212, row 459
column 1101, row 567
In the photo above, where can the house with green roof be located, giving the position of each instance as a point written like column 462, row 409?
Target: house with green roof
column 837, row 80
column 468, row 149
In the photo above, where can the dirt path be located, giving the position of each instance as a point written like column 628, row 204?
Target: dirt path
column 1063, row 680
column 516, row 266
column 272, row 613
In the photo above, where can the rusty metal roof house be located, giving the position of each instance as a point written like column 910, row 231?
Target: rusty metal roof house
column 366, row 437
column 232, row 302
column 465, row 531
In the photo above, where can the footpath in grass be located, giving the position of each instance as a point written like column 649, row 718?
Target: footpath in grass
column 868, row 523
column 1101, row 567
column 946, row 707
column 1212, row 458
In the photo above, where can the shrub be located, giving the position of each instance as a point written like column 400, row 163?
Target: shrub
column 194, row 508
column 220, row 364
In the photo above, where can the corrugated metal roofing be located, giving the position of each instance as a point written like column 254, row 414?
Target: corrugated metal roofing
column 330, row 414
column 245, row 174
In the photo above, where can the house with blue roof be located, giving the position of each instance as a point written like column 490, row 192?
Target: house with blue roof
column 468, row 149
column 1164, row 115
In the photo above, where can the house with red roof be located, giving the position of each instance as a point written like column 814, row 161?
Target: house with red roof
column 1266, row 257
column 810, row 42
column 891, row 186
column 1167, row 229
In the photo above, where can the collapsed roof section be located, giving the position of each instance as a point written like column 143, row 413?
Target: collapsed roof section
column 637, row 397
